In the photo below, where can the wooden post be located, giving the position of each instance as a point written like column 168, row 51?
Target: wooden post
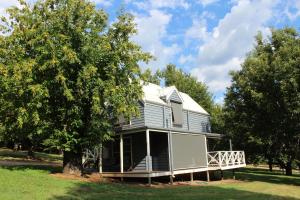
column 148, row 160
column 233, row 174
column 230, row 146
column 207, row 176
column 222, row 175
column 100, row 158
column 171, row 179
column 192, row 177
column 121, row 153
column 170, row 152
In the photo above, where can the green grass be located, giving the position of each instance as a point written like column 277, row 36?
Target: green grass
column 27, row 182
column 8, row 154
column 36, row 182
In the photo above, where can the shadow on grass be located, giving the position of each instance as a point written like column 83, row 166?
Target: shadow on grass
column 249, row 174
column 266, row 171
column 50, row 169
column 6, row 153
column 85, row 190
column 124, row 191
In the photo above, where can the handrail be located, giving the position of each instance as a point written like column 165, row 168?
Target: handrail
column 225, row 158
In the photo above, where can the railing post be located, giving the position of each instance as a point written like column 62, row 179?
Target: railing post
column 207, row 155
column 233, row 158
column 219, row 154
column 121, row 153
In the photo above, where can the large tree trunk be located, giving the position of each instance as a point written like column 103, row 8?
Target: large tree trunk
column 30, row 154
column 288, row 169
column 72, row 162
column 270, row 163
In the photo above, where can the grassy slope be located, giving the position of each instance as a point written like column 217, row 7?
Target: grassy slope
column 8, row 154
column 36, row 183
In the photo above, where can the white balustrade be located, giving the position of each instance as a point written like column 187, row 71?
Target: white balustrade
column 226, row 159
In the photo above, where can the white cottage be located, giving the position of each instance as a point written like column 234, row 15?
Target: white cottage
column 168, row 138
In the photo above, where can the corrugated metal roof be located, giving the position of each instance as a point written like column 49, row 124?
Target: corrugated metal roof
column 154, row 93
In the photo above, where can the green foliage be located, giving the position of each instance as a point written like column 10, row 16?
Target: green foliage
column 263, row 102
column 155, row 78
column 66, row 74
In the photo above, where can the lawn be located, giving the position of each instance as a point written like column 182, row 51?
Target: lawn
column 28, row 182
column 8, row 154
column 40, row 182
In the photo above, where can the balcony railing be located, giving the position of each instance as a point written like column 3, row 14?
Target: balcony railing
column 226, row 159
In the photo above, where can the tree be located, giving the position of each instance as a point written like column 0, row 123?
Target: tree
column 78, row 73
column 155, row 78
column 264, row 97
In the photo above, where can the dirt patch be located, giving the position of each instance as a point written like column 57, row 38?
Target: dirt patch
column 94, row 178
column 194, row 183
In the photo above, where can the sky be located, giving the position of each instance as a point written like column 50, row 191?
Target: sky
column 207, row 38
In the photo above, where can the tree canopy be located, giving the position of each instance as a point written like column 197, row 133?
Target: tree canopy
column 263, row 103
column 66, row 74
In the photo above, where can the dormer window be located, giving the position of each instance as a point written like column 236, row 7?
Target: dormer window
column 177, row 116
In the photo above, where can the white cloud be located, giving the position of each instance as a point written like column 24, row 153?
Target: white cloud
column 151, row 31
column 230, row 40
column 198, row 30
column 207, row 2
column 186, row 59
column 292, row 9
column 6, row 4
column 156, row 4
column 105, row 3
column 216, row 76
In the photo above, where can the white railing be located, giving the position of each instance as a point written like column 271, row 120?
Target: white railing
column 223, row 159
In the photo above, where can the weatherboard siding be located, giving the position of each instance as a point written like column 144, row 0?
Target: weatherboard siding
column 175, row 97
column 154, row 115
column 198, row 122
column 138, row 121
column 160, row 116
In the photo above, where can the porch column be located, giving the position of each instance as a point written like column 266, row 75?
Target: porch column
column 121, row 153
column 170, row 156
column 170, row 152
column 100, row 157
column 148, row 158
column 192, row 177
column 207, row 176
column 230, row 146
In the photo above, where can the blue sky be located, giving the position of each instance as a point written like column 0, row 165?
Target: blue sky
column 206, row 38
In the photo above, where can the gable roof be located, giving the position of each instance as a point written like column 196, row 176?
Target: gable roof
column 155, row 94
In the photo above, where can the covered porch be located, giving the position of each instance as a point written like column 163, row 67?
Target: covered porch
column 153, row 153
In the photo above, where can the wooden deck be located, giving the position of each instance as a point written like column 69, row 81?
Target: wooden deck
column 217, row 160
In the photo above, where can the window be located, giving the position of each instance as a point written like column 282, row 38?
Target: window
column 177, row 117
